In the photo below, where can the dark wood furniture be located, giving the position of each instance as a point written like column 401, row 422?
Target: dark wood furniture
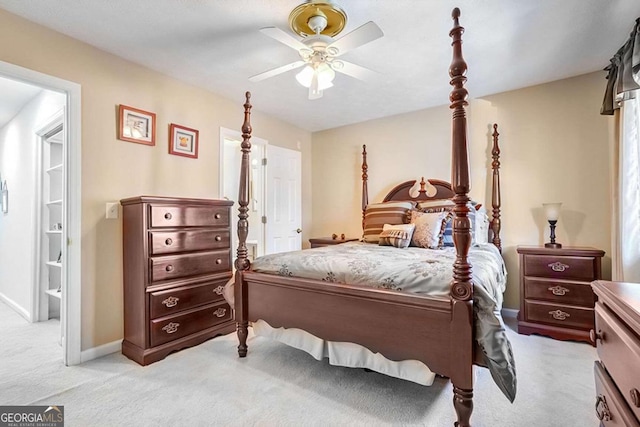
column 319, row 242
column 555, row 291
column 435, row 330
column 177, row 259
column 617, row 335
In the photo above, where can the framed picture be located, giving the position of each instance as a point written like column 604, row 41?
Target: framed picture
column 183, row 141
column 136, row 125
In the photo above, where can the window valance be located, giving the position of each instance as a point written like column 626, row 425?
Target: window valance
column 623, row 73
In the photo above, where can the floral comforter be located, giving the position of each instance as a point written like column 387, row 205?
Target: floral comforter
column 414, row 270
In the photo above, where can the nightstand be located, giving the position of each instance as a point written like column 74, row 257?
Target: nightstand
column 556, row 299
column 319, row 242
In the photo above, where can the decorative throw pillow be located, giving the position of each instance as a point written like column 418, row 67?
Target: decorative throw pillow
column 378, row 214
column 448, row 205
column 429, row 228
column 396, row 235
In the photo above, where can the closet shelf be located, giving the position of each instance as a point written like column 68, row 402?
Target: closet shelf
column 54, row 293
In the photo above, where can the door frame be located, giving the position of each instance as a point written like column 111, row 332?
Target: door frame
column 71, row 301
column 226, row 133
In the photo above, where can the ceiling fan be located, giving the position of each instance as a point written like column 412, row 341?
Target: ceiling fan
column 318, row 21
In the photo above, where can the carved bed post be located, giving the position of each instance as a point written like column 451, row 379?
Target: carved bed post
column 242, row 262
column 365, row 178
column 461, row 286
column 495, row 190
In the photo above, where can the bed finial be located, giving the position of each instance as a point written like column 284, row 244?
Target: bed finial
column 423, row 186
column 242, row 262
column 365, row 180
column 495, row 193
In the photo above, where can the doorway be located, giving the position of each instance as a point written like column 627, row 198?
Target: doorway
column 40, row 158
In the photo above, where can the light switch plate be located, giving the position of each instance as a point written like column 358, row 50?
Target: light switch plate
column 112, row 210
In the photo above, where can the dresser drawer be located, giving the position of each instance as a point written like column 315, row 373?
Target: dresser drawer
column 165, row 242
column 170, row 328
column 559, row 315
column 561, row 292
column 560, row 267
column 611, row 408
column 619, row 352
column 194, row 264
column 163, row 303
column 188, row 216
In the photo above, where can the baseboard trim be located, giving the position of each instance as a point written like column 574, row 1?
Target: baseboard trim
column 15, row 307
column 510, row 313
column 101, row 350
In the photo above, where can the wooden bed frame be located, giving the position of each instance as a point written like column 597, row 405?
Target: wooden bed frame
column 435, row 330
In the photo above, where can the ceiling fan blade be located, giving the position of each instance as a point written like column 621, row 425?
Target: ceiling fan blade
column 360, row 36
column 284, row 38
column 276, row 71
column 353, row 70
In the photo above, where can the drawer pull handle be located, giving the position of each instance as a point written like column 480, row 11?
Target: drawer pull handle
column 171, row 301
column 218, row 238
column 218, row 261
column 635, row 397
column 558, row 266
column 168, row 242
column 559, row 314
column 220, row 312
column 217, row 216
column 602, row 409
column 169, row 268
column 595, row 336
column 167, row 215
column 219, row 290
column 558, row 290
column 171, row 328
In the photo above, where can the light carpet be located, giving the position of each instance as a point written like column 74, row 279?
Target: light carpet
column 209, row 385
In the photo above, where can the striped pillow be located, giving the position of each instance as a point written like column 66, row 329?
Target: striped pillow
column 396, row 235
column 378, row 214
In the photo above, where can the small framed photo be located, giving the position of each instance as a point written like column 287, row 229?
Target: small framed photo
column 183, row 141
column 136, row 125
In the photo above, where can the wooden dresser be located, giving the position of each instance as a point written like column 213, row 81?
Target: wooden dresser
column 177, row 259
column 617, row 334
column 556, row 299
column 318, row 242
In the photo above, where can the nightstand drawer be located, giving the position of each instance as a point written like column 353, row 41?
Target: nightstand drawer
column 563, row 292
column 193, row 264
column 560, row 267
column 560, row 315
column 163, row 303
column 165, row 242
column 611, row 408
column 619, row 352
column 170, row 328
column 188, row 216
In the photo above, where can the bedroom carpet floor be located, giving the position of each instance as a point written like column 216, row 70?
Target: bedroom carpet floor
column 278, row 385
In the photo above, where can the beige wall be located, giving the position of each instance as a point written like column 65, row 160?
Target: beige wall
column 114, row 169
column 555, row 147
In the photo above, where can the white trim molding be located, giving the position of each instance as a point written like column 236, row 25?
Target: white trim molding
column 14, row 306
column 70, row 307
column 100, row 351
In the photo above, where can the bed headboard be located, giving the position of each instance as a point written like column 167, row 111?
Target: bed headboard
column 401, row 192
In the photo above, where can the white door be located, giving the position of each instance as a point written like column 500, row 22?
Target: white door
column 284, row 199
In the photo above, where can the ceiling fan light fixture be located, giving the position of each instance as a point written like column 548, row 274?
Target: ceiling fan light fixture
column 324, row 73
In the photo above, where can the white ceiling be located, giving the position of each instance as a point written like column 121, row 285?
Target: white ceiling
column 15, row 95
column 216, row 44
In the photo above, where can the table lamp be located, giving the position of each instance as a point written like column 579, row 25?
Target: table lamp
column 552, row 212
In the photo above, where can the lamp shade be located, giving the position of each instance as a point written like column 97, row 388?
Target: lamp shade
column 324, row 73
column 552, row 211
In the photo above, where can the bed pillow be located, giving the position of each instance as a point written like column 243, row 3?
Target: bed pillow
column 376, row 215
column 396, row 235
column 437, row 205
column 429, row 228
column 448, row 205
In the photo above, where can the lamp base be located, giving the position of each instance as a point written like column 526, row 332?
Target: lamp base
column 553, row 245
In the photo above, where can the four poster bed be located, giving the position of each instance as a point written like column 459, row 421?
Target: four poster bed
column 437, row 328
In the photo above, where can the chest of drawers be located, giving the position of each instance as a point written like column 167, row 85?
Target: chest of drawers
column 617, row 335
column 177, row 259
column 556, row 299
